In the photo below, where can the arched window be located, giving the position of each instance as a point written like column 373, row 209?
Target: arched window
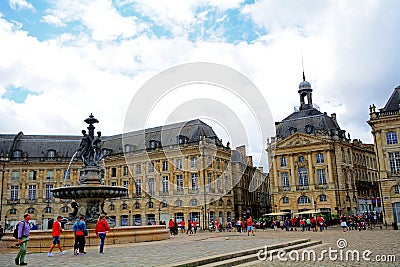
column 124, row 206
column 322, row 198
column 13, row 211
column 137, row 206
column 220, row 202
column 391, row 138
column 112, row 207
column 285, row 200
column 47, row 210
column 303, row 200
column 64, row 209
column 229, row 202
column 31, row 210
column 150, row 204
column 178, row 203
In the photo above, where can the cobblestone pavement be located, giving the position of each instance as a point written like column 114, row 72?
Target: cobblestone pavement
column 183, row 247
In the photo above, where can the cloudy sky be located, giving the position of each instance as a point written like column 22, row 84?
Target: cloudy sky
column 62, row 60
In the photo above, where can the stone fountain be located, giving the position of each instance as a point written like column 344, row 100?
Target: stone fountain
column 89, row 195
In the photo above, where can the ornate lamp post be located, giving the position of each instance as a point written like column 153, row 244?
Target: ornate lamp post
column 2, row 186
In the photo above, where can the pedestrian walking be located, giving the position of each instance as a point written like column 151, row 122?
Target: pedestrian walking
column 80, row 232
column 189, row 229
column 195, row 226
column 23, row 238
column 56, row 232
column 249, row 223
column 171, row 226
column 102, row 228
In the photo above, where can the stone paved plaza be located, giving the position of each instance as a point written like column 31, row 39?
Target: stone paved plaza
column 183, row 247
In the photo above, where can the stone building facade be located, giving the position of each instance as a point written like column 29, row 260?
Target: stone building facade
column 180, row 171
column 315, row 166
column 385, row 125
column 251, row 192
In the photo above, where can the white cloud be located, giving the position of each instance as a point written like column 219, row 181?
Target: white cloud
column 20, row 4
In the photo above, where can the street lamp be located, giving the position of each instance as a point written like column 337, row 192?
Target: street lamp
column 2, row 186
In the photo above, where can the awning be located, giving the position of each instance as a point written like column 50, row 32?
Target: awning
column 307, row 212
column 276, row 213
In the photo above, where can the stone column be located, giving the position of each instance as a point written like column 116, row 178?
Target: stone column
column 330, row 170
column 293, row 173
column 275, row 166
column 310, row 171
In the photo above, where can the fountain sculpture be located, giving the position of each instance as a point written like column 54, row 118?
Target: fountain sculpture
column 89, row 195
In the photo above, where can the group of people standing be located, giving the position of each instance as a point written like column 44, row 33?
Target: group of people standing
column 80, row 231
column 174, row 227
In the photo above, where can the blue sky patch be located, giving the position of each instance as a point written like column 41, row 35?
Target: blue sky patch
column 17, row 94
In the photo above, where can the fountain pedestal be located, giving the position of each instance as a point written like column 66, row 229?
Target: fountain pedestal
column 90, row 194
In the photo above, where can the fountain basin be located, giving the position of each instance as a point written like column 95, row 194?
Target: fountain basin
column 89, row 191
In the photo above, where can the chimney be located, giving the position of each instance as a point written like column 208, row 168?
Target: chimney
column 333, row 116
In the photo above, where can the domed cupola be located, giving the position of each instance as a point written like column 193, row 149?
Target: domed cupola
column 305, row 90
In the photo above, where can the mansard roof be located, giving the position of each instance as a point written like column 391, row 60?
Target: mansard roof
column 37, row 146
column 393, row 102
column 309, row 121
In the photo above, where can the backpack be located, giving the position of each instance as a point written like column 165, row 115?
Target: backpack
column 15, row 233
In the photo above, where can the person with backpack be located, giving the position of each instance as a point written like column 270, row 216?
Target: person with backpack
column 56, row 232
column 80, row 232
column 23, row 231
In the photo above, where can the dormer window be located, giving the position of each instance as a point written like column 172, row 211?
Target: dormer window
column 292, row 130
column 182, row 139
column 153, row 144
column 17, row 154
column 128, row 148
column 51, row 154
column 309, row 129
column 106, row 151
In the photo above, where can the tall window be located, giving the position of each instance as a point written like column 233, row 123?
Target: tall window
column 227, row 185
column 151, row 186
column 283, row 162
column 179, row 183
column 179, row 164
column 14, row 192
column 125, row 184
column 348, row 157
column 165, row 184
column 47, row 210
column 67, row 175
column 151, row 167
column 285, row 179
column 210, row 182
column 49, row 195
column 195, row 182
column 32, row 192
column 113, row 172
column 391, row 138
column 396, row 189
column 15, row 175
column 218, row 164
column 193, row 162
column 321, row 174
column 32, row 175
column 138, row 168
column 219, row 184
column 285, row 200
column 301, row 159
column 165, row 165
column 138, row 184
column 322, row 198
column 394, row 162
column 126, row 170
column 320, row 158
column 303, row 176
column 50, row 175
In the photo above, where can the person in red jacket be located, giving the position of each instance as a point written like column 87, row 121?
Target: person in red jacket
column 101, row 230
